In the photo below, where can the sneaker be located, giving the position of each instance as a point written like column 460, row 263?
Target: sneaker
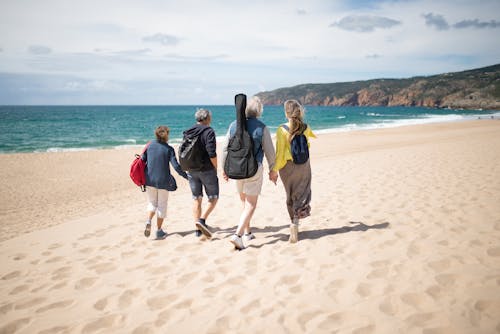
column 204, row 229
column 197, row 233
column 294, row 233
column 160, row 234
column 237, row 242
column 248, row 236
column 147, row 230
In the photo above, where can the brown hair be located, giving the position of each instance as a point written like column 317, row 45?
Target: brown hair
column 161, row 133
column 295, row 113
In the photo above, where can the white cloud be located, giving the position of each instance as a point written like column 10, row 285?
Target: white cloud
column 163, row 39
column 39, row 50
column 223, row 46
column 365, row 23
column 436, row 21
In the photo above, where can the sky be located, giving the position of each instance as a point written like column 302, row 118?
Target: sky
column 162, row 52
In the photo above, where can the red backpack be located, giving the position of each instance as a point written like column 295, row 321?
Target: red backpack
column 137, row 170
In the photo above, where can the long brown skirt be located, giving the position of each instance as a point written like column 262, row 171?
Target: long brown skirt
column 297, row 182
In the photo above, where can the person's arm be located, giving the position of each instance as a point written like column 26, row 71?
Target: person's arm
column 211, row 146
column 268, row 147
column 214, row 161
column 224, row 152
column 176, row 165
column 280, row 161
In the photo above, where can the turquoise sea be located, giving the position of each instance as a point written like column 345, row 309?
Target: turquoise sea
column 69, row 128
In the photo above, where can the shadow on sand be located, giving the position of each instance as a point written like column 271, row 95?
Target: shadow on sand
column 316, row 234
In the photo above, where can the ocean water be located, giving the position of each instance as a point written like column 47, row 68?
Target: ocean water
column 70, row 128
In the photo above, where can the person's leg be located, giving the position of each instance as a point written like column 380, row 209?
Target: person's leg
column 152, row 194
column 288, row 180
column 197, row 208
column 210, row 182
column 162, row 207
column 211, row 206
column 247, row 213
column 197, row 192
column 243, row 201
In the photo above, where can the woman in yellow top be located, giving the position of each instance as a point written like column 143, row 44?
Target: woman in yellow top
column 295, row 177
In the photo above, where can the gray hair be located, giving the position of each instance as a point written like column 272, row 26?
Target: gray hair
column 254, row 107
column 202, row 114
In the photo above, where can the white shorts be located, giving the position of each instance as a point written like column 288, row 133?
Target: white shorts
column 157, row 201
column 252, row 185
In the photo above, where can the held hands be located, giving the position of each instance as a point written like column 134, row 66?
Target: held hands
column 273, row 176
column 224, row 176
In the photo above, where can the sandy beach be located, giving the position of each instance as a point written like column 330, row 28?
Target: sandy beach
column 403, row 238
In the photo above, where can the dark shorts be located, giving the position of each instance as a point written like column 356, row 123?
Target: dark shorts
column 204, row 179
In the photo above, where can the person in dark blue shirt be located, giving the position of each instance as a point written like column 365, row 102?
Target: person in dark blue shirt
column 205, row 175
column 159, row 182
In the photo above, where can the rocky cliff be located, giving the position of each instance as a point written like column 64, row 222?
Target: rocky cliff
column 473, row 89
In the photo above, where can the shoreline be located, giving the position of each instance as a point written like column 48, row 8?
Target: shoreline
column 449, row 118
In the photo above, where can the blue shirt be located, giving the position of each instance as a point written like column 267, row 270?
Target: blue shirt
column 158, row 157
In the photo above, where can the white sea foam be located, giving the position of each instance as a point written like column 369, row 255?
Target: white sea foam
column 70, row 149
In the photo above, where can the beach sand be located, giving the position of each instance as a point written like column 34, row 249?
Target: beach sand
column 403, row 238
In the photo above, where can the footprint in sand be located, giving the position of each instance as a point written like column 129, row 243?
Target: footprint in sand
column 253, row 305
column 145, row 328
column 388, row 306
column 55, row 246
column 15, row 325
column 289, row 279
column 11, row 275
column 185, row 304
column 101, row 304
column 127, row 297
column 441, row 265
column 58, row 286
column 414, row 299
column 86, row 250
column 347, row 319
column 420, row 319
column 57, row 329
column 163, row 318
column 363, row 290
column 61, row 273
column 333, row 288
column 446, row 280
column 377, row 273
column 19, row 256
column 29, row 303
column 105, row 322
column 490, row 307
column 305, row 317
column 87, row 236
column 61, row 304
column 186, row 278
column 102, row 268
column 85, row 283
column 6, row 308
column 18, row 289
column 494, row 251
column 55, row 259
column 157, row 303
